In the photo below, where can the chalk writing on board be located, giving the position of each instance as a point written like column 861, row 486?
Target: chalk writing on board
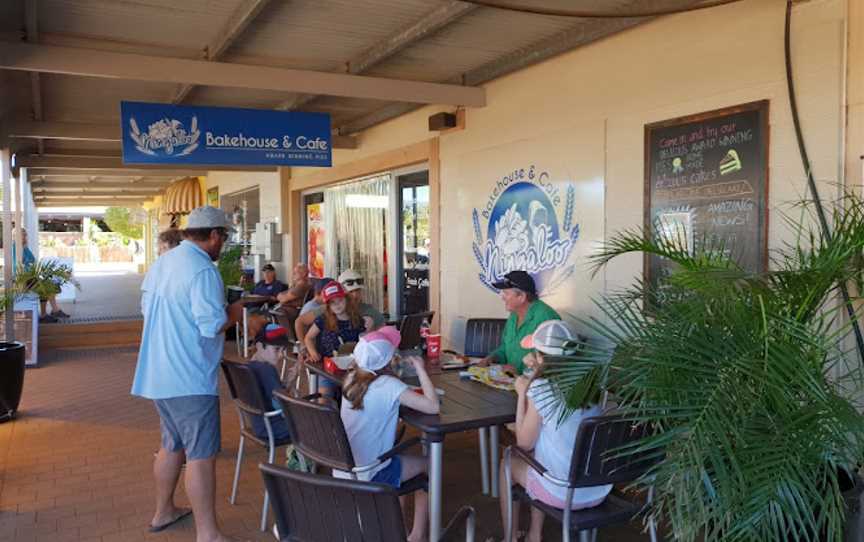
column 706, row 181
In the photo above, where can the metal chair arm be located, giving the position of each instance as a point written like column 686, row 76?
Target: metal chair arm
column 466, row 513
column 395, row 450
column 529, row 459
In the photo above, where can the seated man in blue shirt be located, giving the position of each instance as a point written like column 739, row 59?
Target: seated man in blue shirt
column 270, row 286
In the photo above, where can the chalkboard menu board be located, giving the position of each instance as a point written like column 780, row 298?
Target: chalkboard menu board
column 706, row 181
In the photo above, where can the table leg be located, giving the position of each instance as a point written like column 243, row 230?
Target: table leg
column 483, row 433
column 436, row 452
column 313, row 382
column 493, row 455
column 245, row 333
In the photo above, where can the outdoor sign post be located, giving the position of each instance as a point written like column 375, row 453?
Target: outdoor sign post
column 173, row 134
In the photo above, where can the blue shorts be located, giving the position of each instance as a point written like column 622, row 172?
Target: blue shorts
column 191, row 423
column 390, row 475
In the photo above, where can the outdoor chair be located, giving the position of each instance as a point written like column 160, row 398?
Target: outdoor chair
column 353, row 510
column 245, row 390
column 482, row 335
column 596, row 461
column 410, row 329
column 318, row 435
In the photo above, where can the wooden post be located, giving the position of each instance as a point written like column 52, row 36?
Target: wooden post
column 6, row 173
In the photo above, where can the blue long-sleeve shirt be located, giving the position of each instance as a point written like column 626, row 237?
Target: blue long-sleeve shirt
column 183, row 301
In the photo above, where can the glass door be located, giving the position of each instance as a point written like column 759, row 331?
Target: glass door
column 414, row 243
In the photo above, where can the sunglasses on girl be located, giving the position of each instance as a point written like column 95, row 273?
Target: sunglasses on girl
column 352, row 282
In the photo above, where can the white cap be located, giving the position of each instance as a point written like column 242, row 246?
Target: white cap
column 351, row 280
column 375, row 350
column 553, row 337
column 207, row 217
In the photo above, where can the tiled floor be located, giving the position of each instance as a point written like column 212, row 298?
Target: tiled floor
column 76, row 464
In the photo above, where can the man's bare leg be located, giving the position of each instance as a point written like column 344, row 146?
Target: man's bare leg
column 166, row 471
column 201, row 489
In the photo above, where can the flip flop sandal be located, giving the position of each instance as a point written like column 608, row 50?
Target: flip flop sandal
column 160, row 528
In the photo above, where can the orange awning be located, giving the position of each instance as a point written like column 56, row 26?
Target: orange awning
column 182, row 196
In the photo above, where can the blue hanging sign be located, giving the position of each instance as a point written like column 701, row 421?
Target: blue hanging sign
column 173, row 134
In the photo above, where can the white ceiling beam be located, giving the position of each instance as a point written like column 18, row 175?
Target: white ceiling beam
column 53, row 187
column 390, row 46
column 227, row 35
column 113, row 163
column 93, row 193
column 70, row 131
column 108, row 133
column 115, row 185
column 31, row 24
column 106, row 64
column 87, row 203
column 125, row 172
column 84, row 197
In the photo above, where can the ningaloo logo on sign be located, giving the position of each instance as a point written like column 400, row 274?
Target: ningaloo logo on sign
column 523, row 231
column 165, row 137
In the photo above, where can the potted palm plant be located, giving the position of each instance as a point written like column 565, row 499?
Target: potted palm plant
column 748, row 380
column 44, row 278
column 12, row 360
column 231, row 270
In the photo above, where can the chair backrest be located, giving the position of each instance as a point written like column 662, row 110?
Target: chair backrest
column 245, row 388
column 316, row 431
column 483, row 335
column 599, row 454
column 410, row 329
column 316, row 508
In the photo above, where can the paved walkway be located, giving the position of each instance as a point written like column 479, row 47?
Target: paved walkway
column 108, row 292
column 76, row 464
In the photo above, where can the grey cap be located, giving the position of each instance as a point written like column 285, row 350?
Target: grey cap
column 207, row 217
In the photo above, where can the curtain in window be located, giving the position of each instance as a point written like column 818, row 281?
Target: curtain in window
column 355, row 226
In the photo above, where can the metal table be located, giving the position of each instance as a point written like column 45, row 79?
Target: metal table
column 253, row 302
column 466, row 405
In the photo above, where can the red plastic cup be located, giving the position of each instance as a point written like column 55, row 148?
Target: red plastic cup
column 433, row 346
column 331, row 367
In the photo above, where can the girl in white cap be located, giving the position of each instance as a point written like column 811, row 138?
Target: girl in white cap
column 539, row 427
column 370, row 413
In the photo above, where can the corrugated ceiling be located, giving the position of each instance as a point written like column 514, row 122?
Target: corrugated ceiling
column 320, row 35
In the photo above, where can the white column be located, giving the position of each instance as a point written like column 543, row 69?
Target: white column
column 6, row 173
column 19, row 223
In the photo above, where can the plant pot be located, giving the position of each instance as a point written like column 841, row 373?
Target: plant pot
column 234, row 294
column 854, row 497
column 11, row 378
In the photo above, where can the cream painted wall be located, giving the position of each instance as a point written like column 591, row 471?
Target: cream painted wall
column 270, row 194
column 855, row 95
column 581, row 117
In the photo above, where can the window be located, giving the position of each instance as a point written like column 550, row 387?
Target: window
column 244, row 210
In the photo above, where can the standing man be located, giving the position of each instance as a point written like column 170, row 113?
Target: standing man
column 183, row 301
column 526, row 313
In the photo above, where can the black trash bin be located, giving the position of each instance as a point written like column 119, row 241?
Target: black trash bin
column 11, row 378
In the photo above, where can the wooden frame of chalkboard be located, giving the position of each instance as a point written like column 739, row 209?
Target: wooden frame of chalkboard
column 707, row 174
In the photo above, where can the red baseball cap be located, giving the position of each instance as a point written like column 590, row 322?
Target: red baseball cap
column 333, row 290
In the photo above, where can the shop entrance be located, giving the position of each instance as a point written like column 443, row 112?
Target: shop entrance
column 414, row 243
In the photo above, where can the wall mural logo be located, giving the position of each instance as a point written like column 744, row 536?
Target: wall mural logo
column 523, row 231
column 165, row 136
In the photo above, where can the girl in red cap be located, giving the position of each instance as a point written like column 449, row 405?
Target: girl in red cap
column 340, row 323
